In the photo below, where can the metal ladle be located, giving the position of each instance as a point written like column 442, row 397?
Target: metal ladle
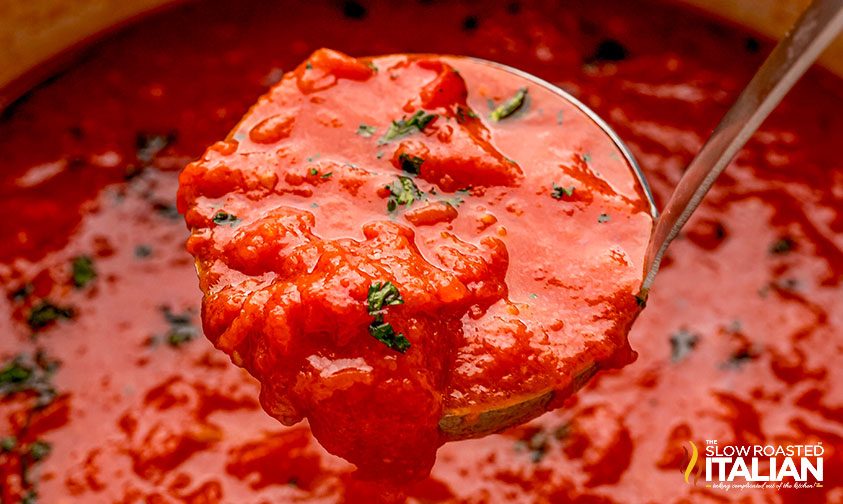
column 800, row 47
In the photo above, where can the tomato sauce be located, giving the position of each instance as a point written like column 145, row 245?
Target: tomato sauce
column 111, row 394
column 366, row 242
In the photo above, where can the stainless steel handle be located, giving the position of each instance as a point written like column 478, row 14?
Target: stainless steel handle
column 814, row 30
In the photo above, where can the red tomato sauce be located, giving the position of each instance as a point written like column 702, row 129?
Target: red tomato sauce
column 111, row 394
column 370, row 248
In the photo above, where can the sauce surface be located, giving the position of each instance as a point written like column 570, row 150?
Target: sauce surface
column 117, row 397
column 371, row 248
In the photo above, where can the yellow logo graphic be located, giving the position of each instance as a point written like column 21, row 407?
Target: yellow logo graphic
column 692, row 463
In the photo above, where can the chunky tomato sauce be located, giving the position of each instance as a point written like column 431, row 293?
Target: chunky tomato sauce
column 111, row 394
column 366, row 242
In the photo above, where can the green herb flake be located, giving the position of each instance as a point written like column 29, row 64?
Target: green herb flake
column 46, row 313
column 313, row 171
column 384, row 332
column 402, row 192
column 381, row 295
column 181, row 329
column 326, row 176
column 22, row 292
column 83, row 271
column 372, row 65
column 510, row 106
column 23, row 374
column 222, row 218
column 8, row 443
column 410, row 164
column 404, row 126
column 560, row 192
column 148, row 145
column 682, row 343
column 603, row 218
column 782, row 246
column 308, row 66
column 366, row 131
column 143, row 251
column 586, row 158
column 39, row 450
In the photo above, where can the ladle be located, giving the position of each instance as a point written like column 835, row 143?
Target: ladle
column 789, row 60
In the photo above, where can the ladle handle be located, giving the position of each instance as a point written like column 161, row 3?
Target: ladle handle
column 816, row 28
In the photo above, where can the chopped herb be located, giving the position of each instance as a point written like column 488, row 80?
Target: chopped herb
column 21, row 292
column 381, row 295
column 510, row 106
column 314, row 171
column 534, row 296
column 181, row 329
column 682, row 343
column 586, row 158
column 404, row 126
column 463, row 112
column 45, row 313
column 603, row 218
column 222, row 218
column 149, row 145
column 364, row 130
column 167, row 210
column 379, row 154
column 83, row 271
column 536, row 443
column 373, row 66
column 402, row 192
column 383, row 332
column 560, row 192
column 39, row 450
column 8, row 443
column 326, row 175
column 142, row 251
column 308, row 66
column 782, row 246
column 410, row 164
column 29, row 374
column 741, row 356
column 458, row 199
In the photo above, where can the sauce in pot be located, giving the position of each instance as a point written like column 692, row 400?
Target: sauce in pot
column 110, row 394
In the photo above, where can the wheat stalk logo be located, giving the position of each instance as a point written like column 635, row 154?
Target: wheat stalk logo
column 692, row 463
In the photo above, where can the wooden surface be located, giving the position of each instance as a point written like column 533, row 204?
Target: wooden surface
column 771, row 18
column 34, row 31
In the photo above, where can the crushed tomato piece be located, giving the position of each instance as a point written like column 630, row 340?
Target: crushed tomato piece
column 506, row 292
